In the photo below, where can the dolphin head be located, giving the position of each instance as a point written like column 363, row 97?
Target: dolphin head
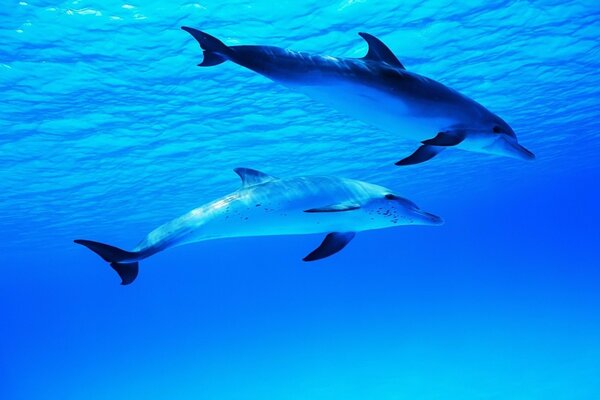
column 500, row 139
column 390, row 210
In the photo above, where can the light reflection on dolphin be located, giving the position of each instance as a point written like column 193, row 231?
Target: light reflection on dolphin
column 267, row 206
column 378, row 90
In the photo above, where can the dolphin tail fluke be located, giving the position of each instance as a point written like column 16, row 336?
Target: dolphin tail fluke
column 215, row 52
column 124, row 262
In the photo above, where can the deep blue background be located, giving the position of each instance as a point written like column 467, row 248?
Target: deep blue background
column 109, row 130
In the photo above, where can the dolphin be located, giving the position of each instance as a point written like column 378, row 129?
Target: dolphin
column 378, row 90
column 265, row 205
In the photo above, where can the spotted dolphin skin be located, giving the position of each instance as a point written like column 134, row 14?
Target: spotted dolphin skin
column 267, row 206
column 378, row 90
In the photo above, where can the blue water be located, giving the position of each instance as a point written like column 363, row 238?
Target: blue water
column 108, row 130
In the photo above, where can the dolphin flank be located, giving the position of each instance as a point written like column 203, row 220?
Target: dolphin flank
column 378, row 90
column 267, row 206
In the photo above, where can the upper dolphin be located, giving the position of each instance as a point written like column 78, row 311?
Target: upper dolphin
column 378, row 90
column 265, row 205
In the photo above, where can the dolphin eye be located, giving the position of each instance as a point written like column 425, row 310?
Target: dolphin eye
column 497, row 129
column 390, row 197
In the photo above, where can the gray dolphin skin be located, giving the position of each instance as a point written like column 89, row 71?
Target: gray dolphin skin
column 378, row 90
column 267, row 206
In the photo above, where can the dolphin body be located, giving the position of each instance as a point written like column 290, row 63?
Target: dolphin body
column 378, row 90
column 266, row 206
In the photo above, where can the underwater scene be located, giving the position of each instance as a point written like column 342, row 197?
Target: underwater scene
column 348, row 199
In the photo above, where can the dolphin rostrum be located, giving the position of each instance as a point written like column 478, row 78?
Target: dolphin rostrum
column 266, row 206
column 378, row 90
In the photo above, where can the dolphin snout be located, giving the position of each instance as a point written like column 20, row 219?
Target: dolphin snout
column 523, row 153
column 513, row 149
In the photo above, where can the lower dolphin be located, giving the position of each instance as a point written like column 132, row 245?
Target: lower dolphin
column 378, row 90
column 266, row 206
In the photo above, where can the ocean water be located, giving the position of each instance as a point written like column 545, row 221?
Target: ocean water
column 108, row 129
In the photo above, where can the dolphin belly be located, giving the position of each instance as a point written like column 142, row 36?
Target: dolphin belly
column 263, row 214
column 264, row 220
column 278, row 208
column 406, row 117
column 377, row 94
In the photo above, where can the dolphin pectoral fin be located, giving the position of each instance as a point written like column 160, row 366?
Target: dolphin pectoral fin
column 424, row 153
column 378, row 51
column 445, row 139
column 251, row 177
column 334, row 208
column 332, row 243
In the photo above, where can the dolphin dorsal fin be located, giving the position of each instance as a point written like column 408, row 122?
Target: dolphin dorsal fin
column 252, row 177
column 378, row 51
